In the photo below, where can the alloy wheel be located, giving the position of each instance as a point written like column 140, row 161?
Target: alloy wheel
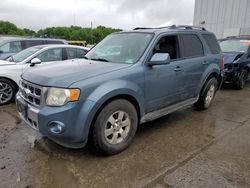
column 117, row 127
column 6, row 92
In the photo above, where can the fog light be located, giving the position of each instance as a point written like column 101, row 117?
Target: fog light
column 56, row 127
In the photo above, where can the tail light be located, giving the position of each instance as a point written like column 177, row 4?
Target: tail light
column 222, row 63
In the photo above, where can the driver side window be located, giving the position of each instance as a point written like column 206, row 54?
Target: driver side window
column 51, row 55
column 168, row 44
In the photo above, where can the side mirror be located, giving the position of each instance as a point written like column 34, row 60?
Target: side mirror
column 35, row 61
column 159, row 59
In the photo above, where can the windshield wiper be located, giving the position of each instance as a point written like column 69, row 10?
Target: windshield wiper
column 85, row 57
column 100, row 59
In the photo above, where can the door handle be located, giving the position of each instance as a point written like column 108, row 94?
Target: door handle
column 205, row 62
column 177, row 69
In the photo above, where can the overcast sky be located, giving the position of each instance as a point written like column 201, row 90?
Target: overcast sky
column 124, row 14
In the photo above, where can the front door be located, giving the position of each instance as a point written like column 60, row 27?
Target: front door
column 164, row 83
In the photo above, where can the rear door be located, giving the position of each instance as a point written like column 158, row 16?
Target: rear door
column 194, row 63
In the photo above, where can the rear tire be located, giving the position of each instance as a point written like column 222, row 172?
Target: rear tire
column 240, row 84
column 207, row 94
column 115, row 127
column 8, row 91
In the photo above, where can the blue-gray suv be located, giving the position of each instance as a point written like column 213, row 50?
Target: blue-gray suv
column 127, row 79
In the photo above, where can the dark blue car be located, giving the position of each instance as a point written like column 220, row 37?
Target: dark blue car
column 236, row 52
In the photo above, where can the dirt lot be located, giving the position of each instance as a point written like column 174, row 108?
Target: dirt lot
column 185, row 149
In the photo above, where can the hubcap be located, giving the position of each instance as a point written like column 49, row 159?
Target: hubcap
column 117, row 127
column 5, row 92
column 210, row 95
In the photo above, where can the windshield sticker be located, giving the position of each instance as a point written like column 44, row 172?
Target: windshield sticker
column 245, row 42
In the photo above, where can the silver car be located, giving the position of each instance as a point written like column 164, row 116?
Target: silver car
column 12, row 68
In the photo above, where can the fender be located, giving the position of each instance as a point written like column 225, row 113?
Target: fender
column 11, row 77
column 212, row 68
column 114, row 88
column 103, row 93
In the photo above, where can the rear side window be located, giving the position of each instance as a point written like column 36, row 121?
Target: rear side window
column 11, row 47
column 212, row 43
column 191, row 46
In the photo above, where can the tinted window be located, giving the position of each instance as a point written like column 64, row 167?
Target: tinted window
column 51, row 55
column 30, row 43
column 80, row 53
column 212, row 43
column 168, row 44
column 191, row 45
column 11, row 47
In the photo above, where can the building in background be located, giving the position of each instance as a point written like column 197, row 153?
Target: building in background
column 223, row 17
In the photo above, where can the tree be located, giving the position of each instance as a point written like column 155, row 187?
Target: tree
column 89, row 35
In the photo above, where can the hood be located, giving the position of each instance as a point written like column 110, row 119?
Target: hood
column 63, row 74
column 231, row 57
column 3, row 63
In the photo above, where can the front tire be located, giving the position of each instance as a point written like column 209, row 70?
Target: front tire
column 207, row 94
column 115, row 127
column 240, row 84
column 7, row 91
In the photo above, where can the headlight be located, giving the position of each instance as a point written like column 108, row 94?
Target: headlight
column 60, row 96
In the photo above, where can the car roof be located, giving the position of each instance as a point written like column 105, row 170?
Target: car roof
column 59, row 46
column 172, row 29
column 10, row 38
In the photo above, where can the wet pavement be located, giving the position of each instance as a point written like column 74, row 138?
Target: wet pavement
column 187, row 148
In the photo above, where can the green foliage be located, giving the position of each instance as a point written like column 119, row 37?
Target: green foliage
column 7, row 28
column 78, row 33
column 89, row 35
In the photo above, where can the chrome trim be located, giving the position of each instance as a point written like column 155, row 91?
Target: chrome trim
column 32, row 93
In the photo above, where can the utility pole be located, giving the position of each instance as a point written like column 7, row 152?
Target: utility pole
column 91, row 28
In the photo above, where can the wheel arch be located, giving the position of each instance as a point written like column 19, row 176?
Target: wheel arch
column 7, row 78
column 127, row 97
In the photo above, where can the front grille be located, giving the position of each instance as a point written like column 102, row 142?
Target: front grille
column 31, row 93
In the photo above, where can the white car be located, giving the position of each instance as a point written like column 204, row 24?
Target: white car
column 11, row 70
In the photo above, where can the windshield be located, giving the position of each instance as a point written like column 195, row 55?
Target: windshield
column 121, row 48
column 234, row 45
column 24, row 54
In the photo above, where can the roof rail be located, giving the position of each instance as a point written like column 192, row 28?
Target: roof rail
column 165, row 27
column 174, row 27
column 190, row 27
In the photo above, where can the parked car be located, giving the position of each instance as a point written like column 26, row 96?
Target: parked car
column 105, row 97
column 11, row 70
column 236, row 52
column 12, row 45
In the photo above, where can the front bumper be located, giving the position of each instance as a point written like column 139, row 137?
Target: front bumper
column 231, row 74
column 75, row 118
